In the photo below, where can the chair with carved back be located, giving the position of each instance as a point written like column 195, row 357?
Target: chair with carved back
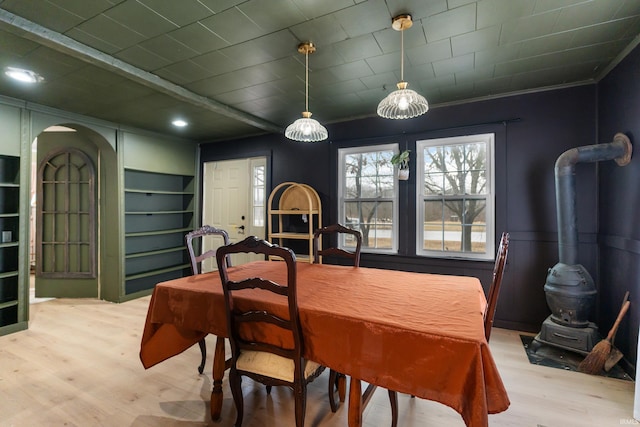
column 196, row 264
column 337, row 231
column 253, row 355
column 496, row 282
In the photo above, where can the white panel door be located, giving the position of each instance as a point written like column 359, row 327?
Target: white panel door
column 228, row 203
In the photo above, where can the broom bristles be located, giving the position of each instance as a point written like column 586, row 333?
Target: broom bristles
column 595, row 360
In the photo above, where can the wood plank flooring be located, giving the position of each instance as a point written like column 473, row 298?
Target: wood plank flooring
column 78, row 365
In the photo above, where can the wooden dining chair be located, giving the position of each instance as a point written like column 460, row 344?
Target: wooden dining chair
column 337, row 381
column 494, row 290
column 271, row 362
column 496, row 282
column 337, row 230
column 196, row 265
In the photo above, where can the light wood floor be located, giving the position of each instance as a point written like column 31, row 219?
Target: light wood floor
column 78, row 365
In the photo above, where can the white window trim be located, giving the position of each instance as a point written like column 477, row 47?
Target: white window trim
column 260, row 162
column 489, row 139
column 342, row 152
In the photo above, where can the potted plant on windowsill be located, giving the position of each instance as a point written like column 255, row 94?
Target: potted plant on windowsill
column 402, row 161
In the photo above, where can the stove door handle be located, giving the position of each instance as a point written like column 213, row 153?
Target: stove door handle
column 565, row 337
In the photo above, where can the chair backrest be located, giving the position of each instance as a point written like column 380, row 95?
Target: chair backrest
column 205, row 230
column 494, row 289
column 337, row 230
column 243, row 318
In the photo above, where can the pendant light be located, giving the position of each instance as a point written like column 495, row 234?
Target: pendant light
column 402, row 103
column 306, row 129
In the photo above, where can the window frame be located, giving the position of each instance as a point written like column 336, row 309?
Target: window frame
column 342, row 153
column 489, row 140
column 258, row 220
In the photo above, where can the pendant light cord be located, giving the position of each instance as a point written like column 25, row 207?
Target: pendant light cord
column 402, row 55
column 306, row 81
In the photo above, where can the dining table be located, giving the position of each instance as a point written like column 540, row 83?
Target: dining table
column 415, row 333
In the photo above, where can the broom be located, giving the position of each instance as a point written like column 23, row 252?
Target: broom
column 615, row 355
column 595, row 360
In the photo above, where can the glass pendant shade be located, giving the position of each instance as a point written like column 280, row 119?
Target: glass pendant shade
column 403, row 104
column 306, row 129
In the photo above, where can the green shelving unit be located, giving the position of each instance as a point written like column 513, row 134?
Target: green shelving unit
column 9, row 223
column 159, row 211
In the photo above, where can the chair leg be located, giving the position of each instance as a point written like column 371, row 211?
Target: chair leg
column 337, row 381
column 235, row 382
column 333, row 385
column 203, row 350
column 342, row 387
column 300, row 391
column 393, row 399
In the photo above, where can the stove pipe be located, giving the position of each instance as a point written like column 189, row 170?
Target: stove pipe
column 618, row 150
column 570, row 290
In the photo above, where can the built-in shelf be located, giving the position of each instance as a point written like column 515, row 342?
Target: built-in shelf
column 9, row 245
column 6, row 274
column 158, row 213
column 8, row 304
column 158, row 252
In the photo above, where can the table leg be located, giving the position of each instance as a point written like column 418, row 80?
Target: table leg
column 219, row 363
column 358, row 401
column 355, row 402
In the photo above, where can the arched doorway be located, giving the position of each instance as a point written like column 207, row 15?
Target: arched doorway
column 72, row 214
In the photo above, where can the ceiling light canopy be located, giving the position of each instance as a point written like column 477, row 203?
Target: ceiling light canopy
column 402, row 103
column 306, row 129
column 22, row 75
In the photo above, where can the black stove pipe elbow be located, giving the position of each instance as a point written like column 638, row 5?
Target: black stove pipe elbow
column 618, row 150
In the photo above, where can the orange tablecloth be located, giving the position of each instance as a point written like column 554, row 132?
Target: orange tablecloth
column 420, row 334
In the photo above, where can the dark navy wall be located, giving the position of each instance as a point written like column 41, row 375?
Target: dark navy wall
column 619, row 204
column 531, row 132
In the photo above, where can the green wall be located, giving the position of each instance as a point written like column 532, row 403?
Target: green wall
column 131, row 148
column 153, row 154
column 10, row 125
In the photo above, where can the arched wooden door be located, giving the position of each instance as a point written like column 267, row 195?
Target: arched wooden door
column 66, row 249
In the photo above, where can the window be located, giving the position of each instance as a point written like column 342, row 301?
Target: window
column 368, row 195
column 258, row 193
column 455, row 201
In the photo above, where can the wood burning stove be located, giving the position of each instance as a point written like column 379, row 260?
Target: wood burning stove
column 569, row 288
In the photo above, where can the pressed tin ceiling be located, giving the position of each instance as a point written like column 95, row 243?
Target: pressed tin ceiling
column 231, row 68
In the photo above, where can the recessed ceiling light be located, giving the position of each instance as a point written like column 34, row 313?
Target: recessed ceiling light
column 26, row 76
column 179, row 123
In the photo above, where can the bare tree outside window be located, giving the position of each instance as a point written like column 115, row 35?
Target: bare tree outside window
column 456, row 195
column 369, row 196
